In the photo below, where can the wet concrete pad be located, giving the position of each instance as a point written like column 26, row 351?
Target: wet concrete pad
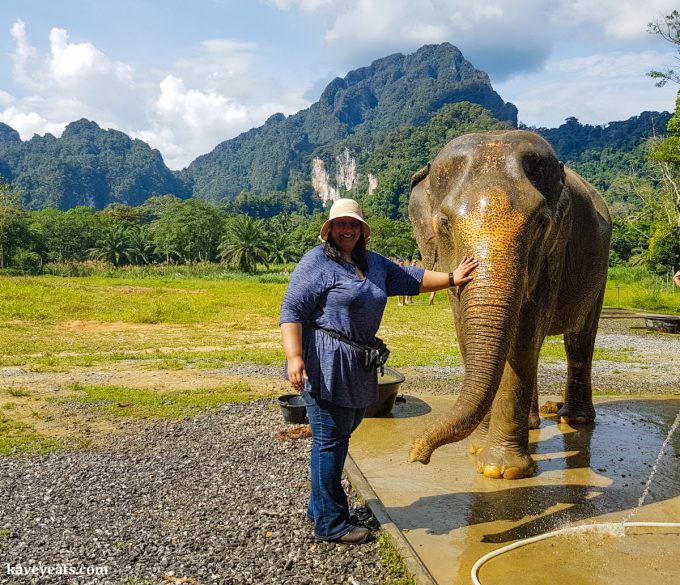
column 451, row 515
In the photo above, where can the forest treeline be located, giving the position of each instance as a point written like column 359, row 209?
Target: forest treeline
column 97, row 195
column 169, row 230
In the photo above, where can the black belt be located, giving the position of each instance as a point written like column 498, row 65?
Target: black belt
column 375, row 355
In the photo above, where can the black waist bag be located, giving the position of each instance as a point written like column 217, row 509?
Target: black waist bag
column 374, row 355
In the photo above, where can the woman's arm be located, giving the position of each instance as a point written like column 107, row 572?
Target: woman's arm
column 439, row 280
column 291, row 335
column 676, row 279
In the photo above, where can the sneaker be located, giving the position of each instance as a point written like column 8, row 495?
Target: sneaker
column 358, row 535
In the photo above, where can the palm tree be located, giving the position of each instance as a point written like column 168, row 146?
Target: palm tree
column 114, row 246
column 142, row 247
column 245, row 243
column 281, row 248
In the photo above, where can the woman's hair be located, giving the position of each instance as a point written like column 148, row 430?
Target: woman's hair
column 359, row 256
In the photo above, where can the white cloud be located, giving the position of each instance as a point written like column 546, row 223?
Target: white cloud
column 69, row 82
column 79, row 60
column 617, row 19
column 67, row 65
column 213, row 95
column 189, row 122
column 307, row 5
column 590, row 89
column 28, row 123
column 222, row 65
column 24, row 54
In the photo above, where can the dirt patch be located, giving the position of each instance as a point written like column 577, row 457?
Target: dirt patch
column 42, row 403
column 113, row 327
column 135, row 374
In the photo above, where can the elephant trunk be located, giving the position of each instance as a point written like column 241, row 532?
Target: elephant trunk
column 489, row 309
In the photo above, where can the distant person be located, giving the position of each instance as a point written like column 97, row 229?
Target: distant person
column 408, row 300
column 433, row 294
column 676, row 279
column 331, row 311
column 401, row 299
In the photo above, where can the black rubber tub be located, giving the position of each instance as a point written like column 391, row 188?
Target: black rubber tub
column 293, row 408
column 388, row 387
column 295, row 412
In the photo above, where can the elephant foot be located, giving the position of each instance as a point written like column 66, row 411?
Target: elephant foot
column 480, row 437
column 504, row 464
column 576, row 414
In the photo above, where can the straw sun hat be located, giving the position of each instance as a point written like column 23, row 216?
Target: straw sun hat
column 344, row 208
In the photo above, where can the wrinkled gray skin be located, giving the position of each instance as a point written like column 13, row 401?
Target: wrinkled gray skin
column 541, row 234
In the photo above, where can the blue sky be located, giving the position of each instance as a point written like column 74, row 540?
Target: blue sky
column 184, row 76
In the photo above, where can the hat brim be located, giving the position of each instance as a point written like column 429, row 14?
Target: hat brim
column 326, row 227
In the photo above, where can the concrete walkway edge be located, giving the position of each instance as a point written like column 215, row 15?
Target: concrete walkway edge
column 404, row 548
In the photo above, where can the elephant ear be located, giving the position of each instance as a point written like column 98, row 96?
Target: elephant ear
column 420, row 213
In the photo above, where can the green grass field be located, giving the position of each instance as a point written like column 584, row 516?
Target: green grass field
column 635, row 288
column 51, row 322
column 142, row 331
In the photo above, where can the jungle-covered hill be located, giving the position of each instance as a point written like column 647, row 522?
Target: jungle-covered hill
column 365, row 105
column 368, row 133
column 85, row 166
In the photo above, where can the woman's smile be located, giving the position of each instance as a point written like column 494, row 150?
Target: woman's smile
column 345, row 233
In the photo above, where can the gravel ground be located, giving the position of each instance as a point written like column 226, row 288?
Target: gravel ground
column 219, row 498
column 651, row 366
column 214, row 499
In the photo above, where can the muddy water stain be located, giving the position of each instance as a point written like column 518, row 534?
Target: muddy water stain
column 451, row 515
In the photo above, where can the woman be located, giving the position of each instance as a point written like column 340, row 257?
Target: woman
column 336, row 298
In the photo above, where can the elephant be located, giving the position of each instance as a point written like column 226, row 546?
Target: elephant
column 541, row 234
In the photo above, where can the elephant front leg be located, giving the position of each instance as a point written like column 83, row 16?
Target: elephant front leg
column 506, row 454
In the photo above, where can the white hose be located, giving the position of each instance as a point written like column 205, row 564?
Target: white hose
column 610, row 527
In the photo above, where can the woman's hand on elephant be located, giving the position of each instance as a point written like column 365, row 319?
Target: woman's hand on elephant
column 297, row 373
column 461, row 275
column 433, row 280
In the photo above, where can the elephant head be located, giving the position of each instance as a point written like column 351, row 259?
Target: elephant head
column 502, row 197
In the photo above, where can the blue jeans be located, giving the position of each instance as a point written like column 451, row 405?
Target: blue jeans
column 331, row 426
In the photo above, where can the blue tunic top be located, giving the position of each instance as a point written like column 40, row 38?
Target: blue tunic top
column 331, row 295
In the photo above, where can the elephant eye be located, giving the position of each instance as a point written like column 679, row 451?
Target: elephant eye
column 442, row 224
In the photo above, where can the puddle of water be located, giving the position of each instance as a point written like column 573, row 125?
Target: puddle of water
column 452, row 516
column 608, row 553
column 645, row 492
